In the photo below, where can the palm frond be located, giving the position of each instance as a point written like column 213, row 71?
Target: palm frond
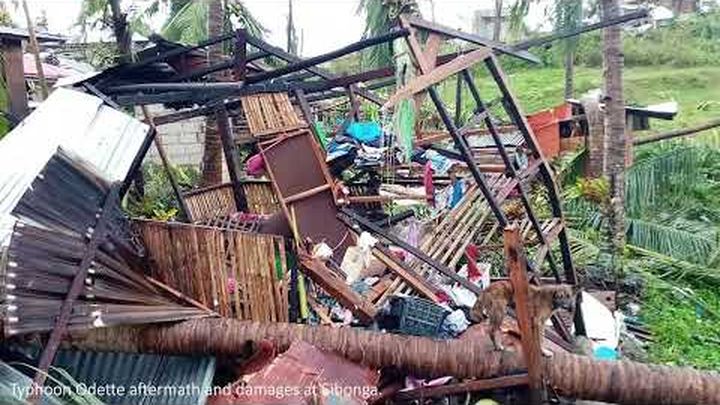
column 380, row 17
column 518, row 12
column 237, row 10
column 189, row 24
column 672, row 241
column 674, row 171
column 568, row 16
column 670, row 269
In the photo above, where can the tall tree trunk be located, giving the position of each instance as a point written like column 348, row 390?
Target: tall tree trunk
column 498, row 20
column 212, row 153
column 622, row 382
column 292, row 46
column 122, row 34
column 614, row 122
column 569, row 74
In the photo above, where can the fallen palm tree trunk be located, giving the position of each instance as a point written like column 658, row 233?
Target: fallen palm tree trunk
column 571, row 375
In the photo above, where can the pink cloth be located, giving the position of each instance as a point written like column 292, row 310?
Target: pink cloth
column 428, row 182
column 255, row 166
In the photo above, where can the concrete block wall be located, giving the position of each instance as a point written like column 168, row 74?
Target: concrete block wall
column 182, row 141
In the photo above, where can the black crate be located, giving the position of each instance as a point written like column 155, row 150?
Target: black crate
column 417, row 316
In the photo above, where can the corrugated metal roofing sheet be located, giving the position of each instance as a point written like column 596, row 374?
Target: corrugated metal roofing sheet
column 293, row 375
column 79, row 123
column 177, row 380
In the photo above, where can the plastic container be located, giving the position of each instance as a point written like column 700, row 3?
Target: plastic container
column 546, row 127
column 417, row 316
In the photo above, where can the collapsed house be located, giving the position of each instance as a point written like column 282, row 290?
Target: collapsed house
column 299, row 234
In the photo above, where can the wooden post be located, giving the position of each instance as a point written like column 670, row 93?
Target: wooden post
column 458, row 100
column 240, row 55
column 35, row 49
column 231, row 157
column 166, row 165
column 515, row 262
column 13, row 70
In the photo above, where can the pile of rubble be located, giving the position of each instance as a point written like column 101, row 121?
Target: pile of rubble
column 294, row 282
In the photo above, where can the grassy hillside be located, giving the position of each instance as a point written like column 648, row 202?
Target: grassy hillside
column 695, row 89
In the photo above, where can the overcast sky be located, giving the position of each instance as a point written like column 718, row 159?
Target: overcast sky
column 324, row 24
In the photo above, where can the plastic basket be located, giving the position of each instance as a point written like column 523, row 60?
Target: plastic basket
column 417, row 316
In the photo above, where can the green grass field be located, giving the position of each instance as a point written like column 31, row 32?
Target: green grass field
column 696, row 90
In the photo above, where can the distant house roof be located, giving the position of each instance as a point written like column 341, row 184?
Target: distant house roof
column 22, row 34
column 52, row 72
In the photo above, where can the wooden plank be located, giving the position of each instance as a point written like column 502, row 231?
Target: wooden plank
column 240, row 57
column 232, row 159
column 408, row 275
column 166, row 166
column 15, row 77
column 437, row 75
column 453, row 33
column 306, row 193
column 335, row 286
column 515, row 262
column 550, row 236
column 418, row 55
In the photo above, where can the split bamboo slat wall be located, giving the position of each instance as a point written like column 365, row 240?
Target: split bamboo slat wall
column 211, row 202
column 261, row 198
column 270, row 113
column 218, row 201
column 470, row 220
column 237, row 274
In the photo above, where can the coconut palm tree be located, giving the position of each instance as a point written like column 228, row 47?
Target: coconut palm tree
column 188, row 20
column 567, row 15
column 616, row 150
column 380, row 17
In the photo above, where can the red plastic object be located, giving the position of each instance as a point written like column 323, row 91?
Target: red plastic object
column 546, row 127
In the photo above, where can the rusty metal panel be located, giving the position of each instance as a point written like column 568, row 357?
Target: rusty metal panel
column 304, row 186
column 304, row 370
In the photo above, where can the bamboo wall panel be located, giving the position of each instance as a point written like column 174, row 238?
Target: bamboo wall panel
column 261, row 198
column 270, row 113
column 237, row 274
column 211, row 202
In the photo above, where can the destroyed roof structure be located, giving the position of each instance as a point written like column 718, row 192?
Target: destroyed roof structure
column 299, row 232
